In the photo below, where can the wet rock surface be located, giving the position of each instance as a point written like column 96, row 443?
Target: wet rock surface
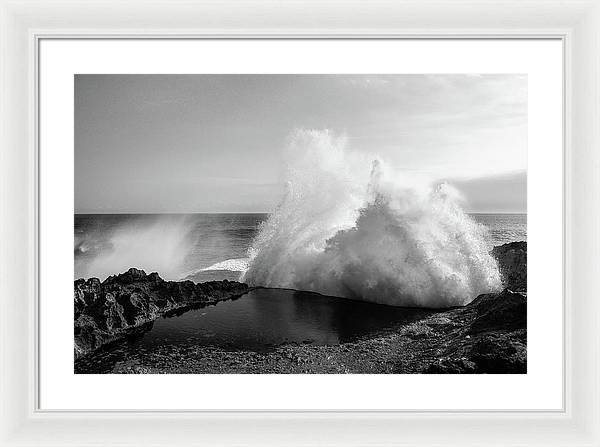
column 489, row 335
column 512, row 260
column 121, row 305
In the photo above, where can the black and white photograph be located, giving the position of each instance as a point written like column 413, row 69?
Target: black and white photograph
column 300, row 223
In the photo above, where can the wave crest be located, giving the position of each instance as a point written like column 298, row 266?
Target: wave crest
column 233, row 265
column 351, row 228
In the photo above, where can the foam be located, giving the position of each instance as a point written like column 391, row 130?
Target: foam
column 349, row 226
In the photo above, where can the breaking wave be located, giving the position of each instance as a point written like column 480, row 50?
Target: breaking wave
column 232, row 265
column 349, row 227
column 154, row 244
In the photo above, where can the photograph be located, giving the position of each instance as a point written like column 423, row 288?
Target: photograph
column 300, row 223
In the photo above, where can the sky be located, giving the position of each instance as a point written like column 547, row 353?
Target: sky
column 214, row 143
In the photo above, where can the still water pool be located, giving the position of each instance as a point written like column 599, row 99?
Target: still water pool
column 258, row 321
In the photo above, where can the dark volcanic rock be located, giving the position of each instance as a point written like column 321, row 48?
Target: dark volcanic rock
column 512, row 260
column 504, row 311
column 490, row 337
column 451, row 366
column 107, row 311
column 500, row 353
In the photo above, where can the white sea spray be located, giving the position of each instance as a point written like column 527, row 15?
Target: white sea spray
column 349, row 226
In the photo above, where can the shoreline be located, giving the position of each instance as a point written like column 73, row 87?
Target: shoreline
column 123, row 305
column 108, row 311
column 447, row 342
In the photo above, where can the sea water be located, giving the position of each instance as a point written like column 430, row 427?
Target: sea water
column 205, row 247
column 201, row 247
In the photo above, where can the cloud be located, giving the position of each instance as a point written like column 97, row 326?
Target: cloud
column 500, row 193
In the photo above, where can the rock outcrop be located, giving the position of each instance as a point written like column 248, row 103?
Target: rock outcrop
column 107, row 311
column 512, row 260
column 489, row 336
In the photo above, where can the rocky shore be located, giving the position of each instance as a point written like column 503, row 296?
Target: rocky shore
column 489, row 335
column 512, row 261
column 123, row 304
column 486, row 336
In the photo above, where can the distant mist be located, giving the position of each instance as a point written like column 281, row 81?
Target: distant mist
column 498, row 194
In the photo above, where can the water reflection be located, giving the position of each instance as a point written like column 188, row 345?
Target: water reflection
column 258, row 321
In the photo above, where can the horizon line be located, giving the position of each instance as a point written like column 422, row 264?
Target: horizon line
column 248, row 212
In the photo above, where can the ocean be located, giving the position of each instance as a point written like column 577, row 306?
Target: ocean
column 200, row 247
column 204, row 247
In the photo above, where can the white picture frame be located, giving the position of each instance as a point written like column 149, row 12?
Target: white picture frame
column 24, row 23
